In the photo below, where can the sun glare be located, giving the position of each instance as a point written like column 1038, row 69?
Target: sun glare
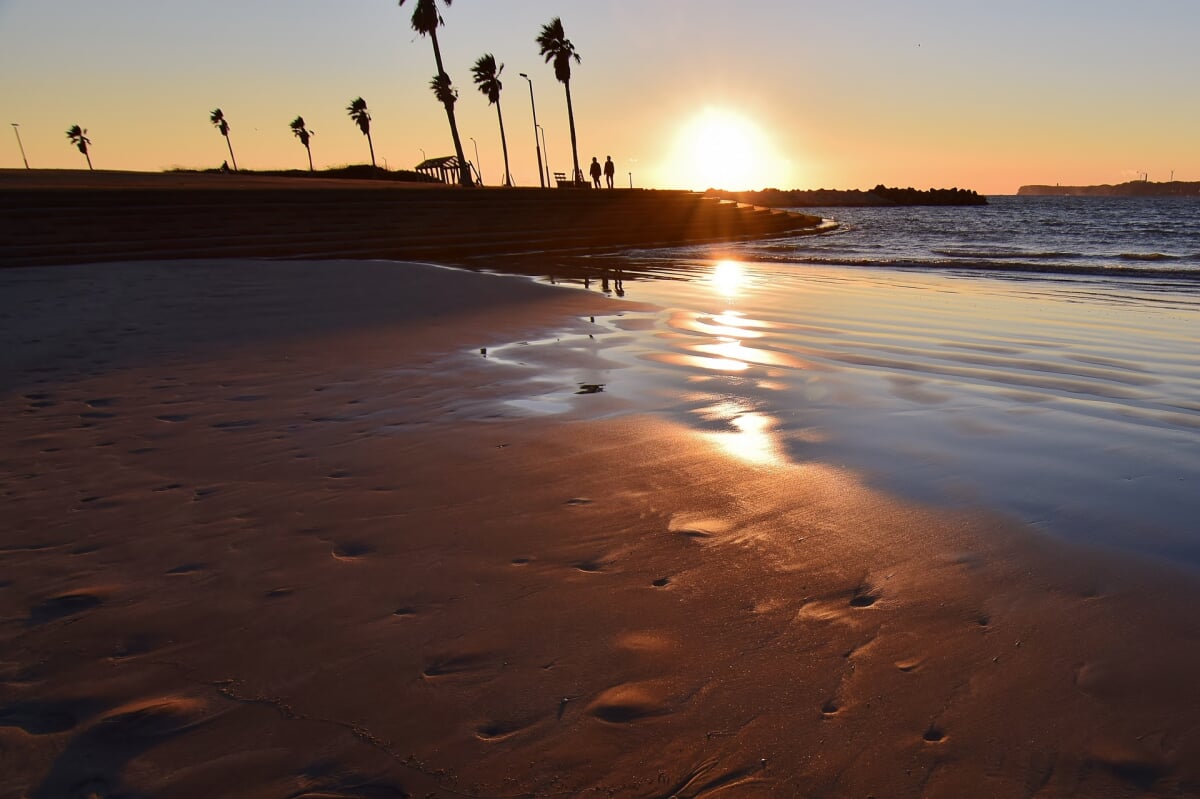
column 728, row 277
column 721, row 149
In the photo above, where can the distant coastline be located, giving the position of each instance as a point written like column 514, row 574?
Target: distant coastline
column 1134, row 188
column 877, row 197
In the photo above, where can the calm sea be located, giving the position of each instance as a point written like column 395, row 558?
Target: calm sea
column 1098, row 236
column 1038, row 357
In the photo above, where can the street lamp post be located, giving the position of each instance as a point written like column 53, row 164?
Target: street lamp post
column 478, row 165
column 546, row 150
column 16, row 130
column 533, row 106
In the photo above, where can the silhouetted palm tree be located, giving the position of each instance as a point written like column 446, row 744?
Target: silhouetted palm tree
column 447, row 95
column 304, row 135
column 487, row 78
column 217, row 117
column 78, row 137
column 426, row 19
column 358, row 112
column 556, row 47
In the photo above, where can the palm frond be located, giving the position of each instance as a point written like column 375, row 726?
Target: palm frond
column 487, row 77
column 426, row 18
column 443, row 90
column 555, row 46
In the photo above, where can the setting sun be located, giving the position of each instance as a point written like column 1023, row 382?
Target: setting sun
column 724, row 150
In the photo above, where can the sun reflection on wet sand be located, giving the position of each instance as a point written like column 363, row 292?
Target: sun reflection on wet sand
column 752, row 439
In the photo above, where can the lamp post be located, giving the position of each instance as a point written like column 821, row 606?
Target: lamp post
column 533, row 107
column 16, row 130
column 545, row 149
column 478, row 165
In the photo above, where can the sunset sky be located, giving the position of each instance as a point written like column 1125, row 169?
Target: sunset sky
column 682, row 93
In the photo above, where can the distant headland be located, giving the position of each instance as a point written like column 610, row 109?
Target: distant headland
column 879, row 196
column 1134, row 188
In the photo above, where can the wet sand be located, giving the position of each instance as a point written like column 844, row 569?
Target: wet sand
column 271, row 531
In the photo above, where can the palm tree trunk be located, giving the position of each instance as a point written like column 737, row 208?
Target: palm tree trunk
column 229, row 144
column 504, row 146
column 571, row 119
column 464, row 171
column 309, row 149
column 372, row 146
column 89, row 160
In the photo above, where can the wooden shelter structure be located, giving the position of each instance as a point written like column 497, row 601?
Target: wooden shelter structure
column 445, row 169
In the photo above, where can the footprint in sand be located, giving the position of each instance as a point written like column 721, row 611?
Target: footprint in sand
column 62, row 606
column 694, row 535
column 455, row 664
column 578, row 501
column 864, row 596
column 498, row 730
column 661, row 582
column 627, row 703
column 235, row 424
column 934, row 734
column 149, row 719
column 187, row 568
column 351, row 550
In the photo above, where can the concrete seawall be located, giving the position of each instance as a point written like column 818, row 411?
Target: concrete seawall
column 90, row 217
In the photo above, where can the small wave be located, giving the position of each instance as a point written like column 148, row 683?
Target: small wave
column 999, row 267
column 1147, row 256
column 987, row 255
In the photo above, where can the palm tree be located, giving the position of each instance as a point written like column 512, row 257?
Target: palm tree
column 447, row 95
column 556, row 47
column 217, row 117
column 426, row 19
column 78, row 137
column 358, row 112
column 303, row 134
column 487, row 78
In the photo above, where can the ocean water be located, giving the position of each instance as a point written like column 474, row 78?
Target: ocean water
column 1121, row 237
column 1037, row 358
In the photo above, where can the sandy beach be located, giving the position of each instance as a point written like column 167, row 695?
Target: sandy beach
column 284, row 530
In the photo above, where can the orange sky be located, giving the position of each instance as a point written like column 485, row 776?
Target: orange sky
column 682, row 93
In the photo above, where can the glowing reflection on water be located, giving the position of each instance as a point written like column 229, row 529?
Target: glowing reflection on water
column 728, row 277
column 752, row 439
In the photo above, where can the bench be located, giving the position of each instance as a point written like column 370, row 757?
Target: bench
column 560, row 178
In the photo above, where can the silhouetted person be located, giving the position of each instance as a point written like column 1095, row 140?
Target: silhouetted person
column 610, row 169
column 595, row 170
column 224, row 166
